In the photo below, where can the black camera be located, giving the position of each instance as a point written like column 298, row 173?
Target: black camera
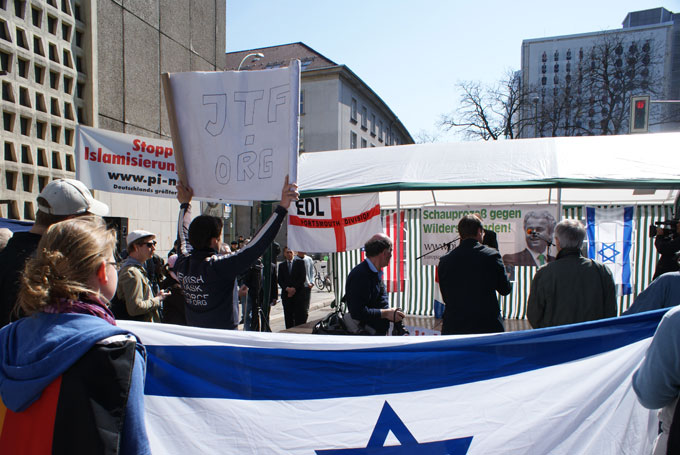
column 669, row 228
column 398, row 328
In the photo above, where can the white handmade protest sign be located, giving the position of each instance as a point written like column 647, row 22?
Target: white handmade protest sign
column 235, row 133
column 524, row 233
column 125, row 163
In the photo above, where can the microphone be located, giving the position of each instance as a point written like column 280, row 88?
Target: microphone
column 534, row 234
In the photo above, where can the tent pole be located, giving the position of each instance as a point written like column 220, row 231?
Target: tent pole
column 559, row 204
column 398, row 245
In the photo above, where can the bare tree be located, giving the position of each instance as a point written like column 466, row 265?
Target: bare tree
column 475, row 117
column 588, row 94
column 489, row 113
column 426, row 137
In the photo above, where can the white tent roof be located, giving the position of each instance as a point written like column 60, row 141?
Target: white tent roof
column 643, row 168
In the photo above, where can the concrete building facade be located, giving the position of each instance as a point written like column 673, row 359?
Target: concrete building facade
column 97, row 63
column 551, row 65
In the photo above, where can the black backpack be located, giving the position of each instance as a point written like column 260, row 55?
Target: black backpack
column 120, row 311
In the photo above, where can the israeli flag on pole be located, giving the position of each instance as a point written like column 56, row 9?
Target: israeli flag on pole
column 610, row 241
column 560, row 390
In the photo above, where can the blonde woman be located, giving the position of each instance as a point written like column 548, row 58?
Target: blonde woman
column 70, row 379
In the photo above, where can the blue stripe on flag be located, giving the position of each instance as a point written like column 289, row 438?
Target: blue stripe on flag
column 590, row 225
column 626, row 273
column 297, row 374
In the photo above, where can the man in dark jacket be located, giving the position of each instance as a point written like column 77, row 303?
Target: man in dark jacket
column 469, row 277
column 573, row 288
column 208, row 278
column 60, row 200
column 291, row 277
column 365, row 292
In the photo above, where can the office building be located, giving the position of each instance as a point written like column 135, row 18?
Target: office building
column 569, row 92
column 97, row 63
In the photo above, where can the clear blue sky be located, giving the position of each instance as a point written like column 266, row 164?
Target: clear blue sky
column 413, row 52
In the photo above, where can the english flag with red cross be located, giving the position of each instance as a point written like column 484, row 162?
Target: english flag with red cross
column 333, row 224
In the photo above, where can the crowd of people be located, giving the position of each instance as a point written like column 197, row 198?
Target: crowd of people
column 63, row 356
column 65, row 274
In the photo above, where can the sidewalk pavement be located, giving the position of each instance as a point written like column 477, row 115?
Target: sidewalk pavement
column 319, row 306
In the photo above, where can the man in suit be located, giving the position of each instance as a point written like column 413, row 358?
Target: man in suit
column 365, row 292
column 291, row 278
column 469, row 277
column 538, row 234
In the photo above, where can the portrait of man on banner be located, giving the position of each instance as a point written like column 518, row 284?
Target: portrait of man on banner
column 536, row 239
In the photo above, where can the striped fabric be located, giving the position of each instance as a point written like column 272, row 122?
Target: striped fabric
column 418, row 297
column 392, row 229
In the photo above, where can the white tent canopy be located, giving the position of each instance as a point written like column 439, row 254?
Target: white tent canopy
column 642, row 168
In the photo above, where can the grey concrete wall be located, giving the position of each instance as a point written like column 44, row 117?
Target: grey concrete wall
column 137, row 41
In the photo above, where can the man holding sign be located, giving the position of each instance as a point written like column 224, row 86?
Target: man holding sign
column 208, row 278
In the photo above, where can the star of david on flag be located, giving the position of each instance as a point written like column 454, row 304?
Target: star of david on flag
column 610, row 241
column 608, row 252
column 390, row 421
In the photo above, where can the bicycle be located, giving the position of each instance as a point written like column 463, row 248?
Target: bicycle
column 322, row 280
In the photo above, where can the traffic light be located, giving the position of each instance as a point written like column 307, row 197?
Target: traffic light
column 639, row 114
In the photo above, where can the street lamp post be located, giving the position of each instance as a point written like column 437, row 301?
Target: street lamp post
column 256, row 56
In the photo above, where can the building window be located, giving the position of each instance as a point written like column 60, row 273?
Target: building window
column 364, row 143
column 302, row 102
column 373, row 125
column 36, row 16
column 353, row 111
column 352, row 140
column 380, row 131
column 364, row 118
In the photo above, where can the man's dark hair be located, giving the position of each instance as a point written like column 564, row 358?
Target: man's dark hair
column 203, row 229
column 377, row 245
column 469, row 226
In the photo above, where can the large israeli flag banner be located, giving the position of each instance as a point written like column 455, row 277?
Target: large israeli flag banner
column 610, row 241
column 561, row 390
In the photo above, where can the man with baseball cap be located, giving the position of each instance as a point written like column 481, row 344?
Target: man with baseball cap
column 134, row 288
column 60, row 200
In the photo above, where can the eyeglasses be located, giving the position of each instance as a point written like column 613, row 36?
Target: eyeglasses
column 115, row 265
column 151, row 244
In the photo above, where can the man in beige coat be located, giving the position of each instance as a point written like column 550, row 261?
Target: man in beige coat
column 133, row 284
